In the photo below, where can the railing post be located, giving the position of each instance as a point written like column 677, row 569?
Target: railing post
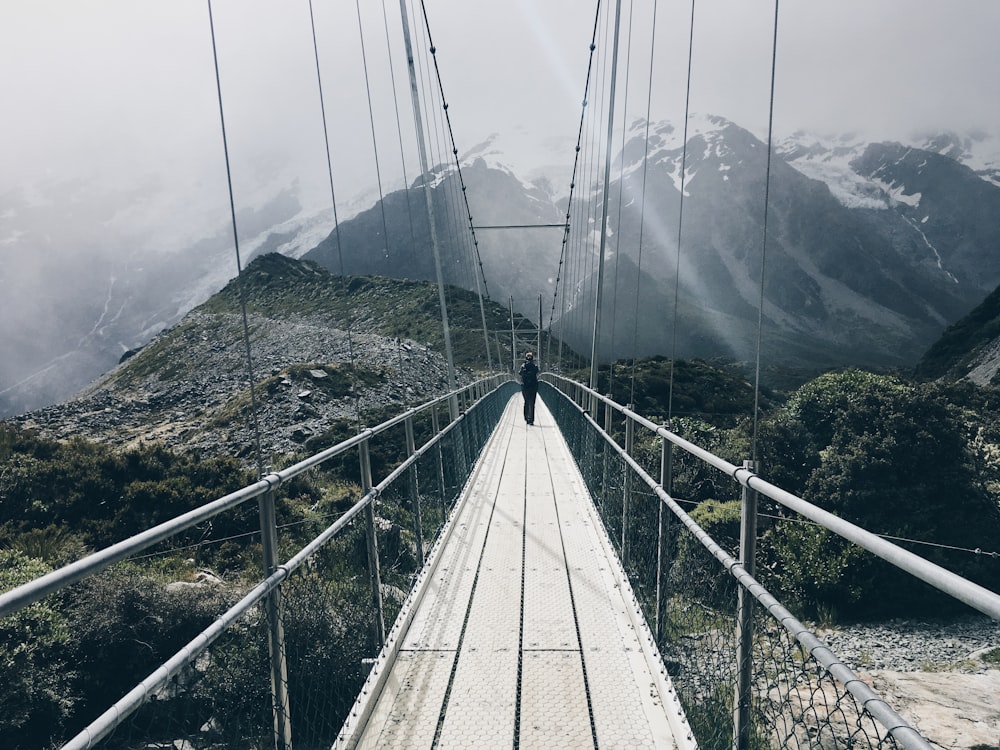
column 374, row 572
column 436, row 427
column 418, row 528
column 606, row 450
column 744, row 619
column 627, row 484
column 275, row 627
column 663, row 526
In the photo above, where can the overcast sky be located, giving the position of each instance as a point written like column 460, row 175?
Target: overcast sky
column 120, row 94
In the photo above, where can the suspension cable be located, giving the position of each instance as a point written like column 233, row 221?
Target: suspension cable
column 336, row 219
column 642, row 206
column 763, row 250
column 461, row 180
column 399, row 127
column 572, row 187
column 587, row 251
column 680, row 221
column 371, row 120
column 254, row 420
column 604, row 210
column 621, row 196
column 454, row 148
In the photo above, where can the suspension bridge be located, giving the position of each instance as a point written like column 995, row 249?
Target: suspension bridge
column 504, row 584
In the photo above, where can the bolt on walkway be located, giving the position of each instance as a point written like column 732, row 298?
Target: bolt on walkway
column 524, row 634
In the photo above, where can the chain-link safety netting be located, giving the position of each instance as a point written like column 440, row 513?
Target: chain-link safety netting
column 794, row 700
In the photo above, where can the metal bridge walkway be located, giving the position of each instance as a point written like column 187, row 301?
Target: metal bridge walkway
column 524, row 634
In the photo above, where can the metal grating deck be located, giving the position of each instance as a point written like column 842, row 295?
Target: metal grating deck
column 526, row 634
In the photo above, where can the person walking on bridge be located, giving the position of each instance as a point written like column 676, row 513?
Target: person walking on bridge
column 529, row 386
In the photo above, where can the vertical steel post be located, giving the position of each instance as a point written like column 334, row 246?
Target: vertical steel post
column 418, row 122
column 436, row 427
column 744, row 619
column 275, row 626
column 627, row 484
column 606, row 450
column 513, row 343
column 663, row 521
column 374, row 571
column 418, row 528
column 538, row 344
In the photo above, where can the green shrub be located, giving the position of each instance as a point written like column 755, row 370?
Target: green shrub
column 37, row 692
column 696, row 574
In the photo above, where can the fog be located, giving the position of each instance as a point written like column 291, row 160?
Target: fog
column 112, row 149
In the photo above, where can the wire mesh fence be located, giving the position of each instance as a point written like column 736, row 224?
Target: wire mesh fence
column 688, row 587
column 208, row 677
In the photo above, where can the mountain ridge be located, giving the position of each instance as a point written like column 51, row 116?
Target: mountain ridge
column 900, row 287
column 326, row 352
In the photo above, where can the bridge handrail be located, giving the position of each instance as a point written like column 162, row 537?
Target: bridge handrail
column 972, row 594
column 872, row 703
column 30, row 592
column 131, row 701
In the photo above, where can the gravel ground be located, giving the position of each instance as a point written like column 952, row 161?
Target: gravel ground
column 912, row 646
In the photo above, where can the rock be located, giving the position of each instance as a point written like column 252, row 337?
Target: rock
column 318, row 374
column 951, row 710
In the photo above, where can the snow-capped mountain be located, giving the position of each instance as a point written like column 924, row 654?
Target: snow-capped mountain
column 828, row 159
column 872, row 249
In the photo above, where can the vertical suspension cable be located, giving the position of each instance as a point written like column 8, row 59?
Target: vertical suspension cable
column 336, row 219
column 621, row 194
column 399, row 127
column 563, row 260
column 461, row 179
column 642, row 207
column 588, row 248
column 763, row 250
column 255, row 423
column 604, row 210
column 371, row 119
column 429, row 202
column 680, row 221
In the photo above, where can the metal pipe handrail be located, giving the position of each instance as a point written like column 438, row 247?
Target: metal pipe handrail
column 972, row 594
column 21, row 596
column 874, row 705
column 106, row 722
column 131, row 701
column 30, row 592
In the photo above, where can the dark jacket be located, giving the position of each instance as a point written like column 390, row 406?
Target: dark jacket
column 529, row 373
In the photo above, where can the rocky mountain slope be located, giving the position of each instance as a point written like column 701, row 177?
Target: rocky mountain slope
column 872, row 248
column 326, row 351
column 870, row 279
column 968, row 349
column 78, row 292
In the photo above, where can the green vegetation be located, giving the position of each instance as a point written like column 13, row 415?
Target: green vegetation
column 913, row 460
column 715, row 392
column 908, row 460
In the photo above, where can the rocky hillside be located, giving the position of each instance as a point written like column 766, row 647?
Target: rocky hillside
column 189, row 386
column 968, row 349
